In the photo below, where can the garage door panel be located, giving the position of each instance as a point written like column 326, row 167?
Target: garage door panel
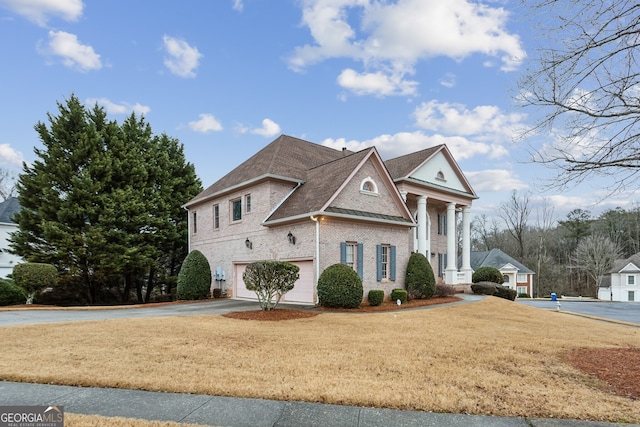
column 302, row 291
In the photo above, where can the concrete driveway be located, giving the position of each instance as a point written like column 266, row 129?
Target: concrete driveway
column 622, row 311
column 39, row 315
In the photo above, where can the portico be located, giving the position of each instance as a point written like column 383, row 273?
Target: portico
column 439, row 196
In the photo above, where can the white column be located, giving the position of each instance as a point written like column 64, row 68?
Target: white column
column 451, row 270
column 466, row 243
column 422, row 226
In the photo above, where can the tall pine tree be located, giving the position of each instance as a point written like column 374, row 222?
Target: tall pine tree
column 103, row 202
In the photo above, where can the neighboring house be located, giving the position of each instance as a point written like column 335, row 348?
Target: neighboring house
column 516, row 276
column 7, row 209
column 621, row 282
column 315, row 206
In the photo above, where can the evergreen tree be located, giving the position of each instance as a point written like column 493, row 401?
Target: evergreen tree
column 103, row 201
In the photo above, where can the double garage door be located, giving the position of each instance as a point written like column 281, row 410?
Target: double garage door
column 302, row 291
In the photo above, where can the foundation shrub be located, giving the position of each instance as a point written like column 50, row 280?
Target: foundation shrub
column 443, row 290
column 487, row 274
column 217, row 293
column 339, row 286
column 399, row 294
column 524, row 296
column 484, row 288
column 11, row 294
column 375, row 296
column 419, row 278
column 34, row 277
column 506, row 293
column 194, row 278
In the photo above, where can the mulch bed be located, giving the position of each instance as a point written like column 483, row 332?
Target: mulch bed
column 290, row 314
column 619, row 368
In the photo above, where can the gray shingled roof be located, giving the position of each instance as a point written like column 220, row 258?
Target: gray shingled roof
column 401, row 167
column 495, row 258
column 8, row 208
column 286, row 157
column 320, row 183
column 619, row 264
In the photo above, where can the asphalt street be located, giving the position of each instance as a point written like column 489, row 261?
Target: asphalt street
column 621, row 311
column 228, row 411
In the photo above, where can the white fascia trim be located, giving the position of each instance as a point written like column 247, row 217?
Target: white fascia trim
column 336, row 215
column 241, row 185
column 281, row 202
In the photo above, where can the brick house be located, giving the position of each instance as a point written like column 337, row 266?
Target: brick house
column 516, row 276
column 621, row 282
column 315, row 206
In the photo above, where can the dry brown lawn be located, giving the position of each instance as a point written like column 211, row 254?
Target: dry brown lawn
column 491, row 357
column 77, row 420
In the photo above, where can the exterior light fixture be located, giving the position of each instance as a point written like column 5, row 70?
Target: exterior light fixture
column 248, row 243
column 291, row 238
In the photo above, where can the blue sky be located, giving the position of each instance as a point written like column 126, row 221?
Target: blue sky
column 226, row 77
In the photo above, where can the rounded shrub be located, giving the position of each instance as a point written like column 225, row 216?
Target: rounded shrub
column 11, row 294
column 34, row 277
column 484, row 288
column 399, row 294
column 506, row 293
column 419, row 278
column 339, row 286
column 194, row 278
column 376, row 296
column 487, row 274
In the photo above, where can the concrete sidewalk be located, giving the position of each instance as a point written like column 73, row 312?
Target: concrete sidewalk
column 229, row 411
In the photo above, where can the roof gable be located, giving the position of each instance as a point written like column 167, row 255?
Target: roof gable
column 434, row 166
column 324, row 188
column 626, row 264
column 630, row 268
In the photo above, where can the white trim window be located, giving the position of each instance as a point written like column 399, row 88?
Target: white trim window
column 247, row 203
column 368, row 186
column 521, row 278
column 631, row 279
column 236, row 209
column 216, row 217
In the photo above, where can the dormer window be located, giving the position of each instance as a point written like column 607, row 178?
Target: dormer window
column 368, row 186
column 440, row 176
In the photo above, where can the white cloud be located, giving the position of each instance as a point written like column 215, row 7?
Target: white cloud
column 269, row 128
column 448, row 80
column 73, row 53
column 392, row 36
column 182, row 59
column 238, row 5
column 485, row 123
column 495, row 180
column 10, row 156
column 378, row 83
column 40, row 11
column 402, row 143
column 206, row 123
column 122, row 108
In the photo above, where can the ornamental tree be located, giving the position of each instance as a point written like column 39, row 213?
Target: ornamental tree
column 270, row 280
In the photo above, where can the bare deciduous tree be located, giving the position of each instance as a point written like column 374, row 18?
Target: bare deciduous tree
column 595, row 255
column 515, row 214
column 586, row 88
column 7, row 184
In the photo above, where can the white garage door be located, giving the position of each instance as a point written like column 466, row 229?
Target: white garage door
column 301, row 292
